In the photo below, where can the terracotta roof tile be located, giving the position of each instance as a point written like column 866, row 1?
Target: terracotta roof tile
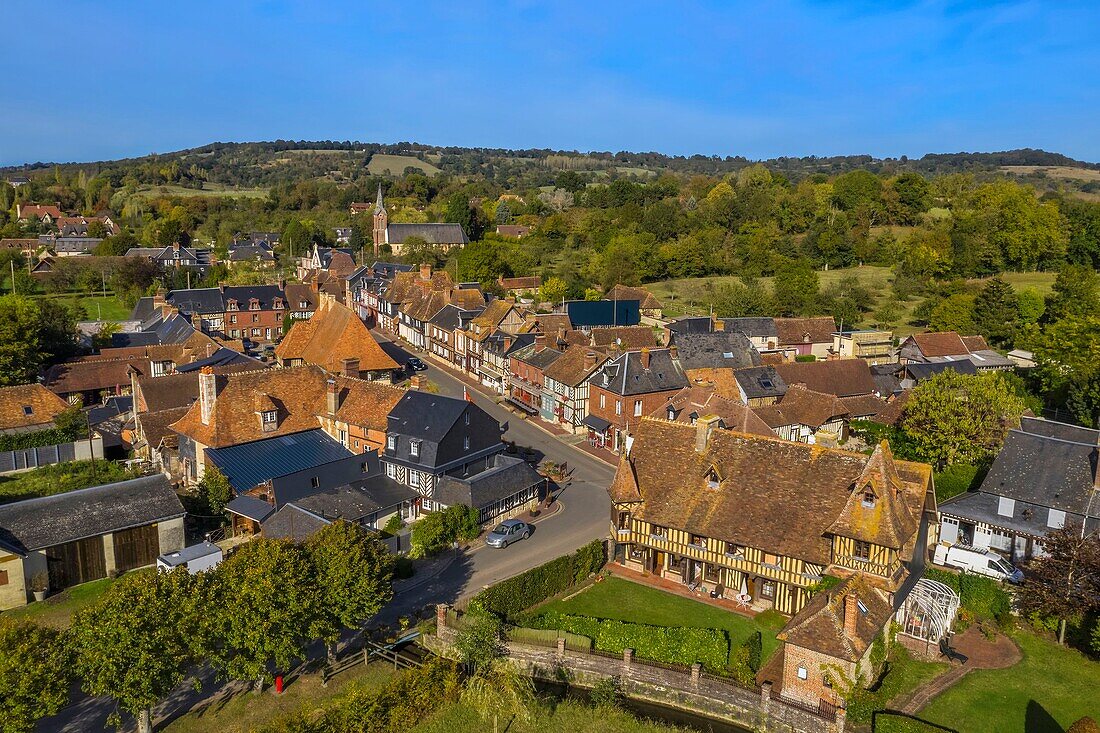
column 25, row 406
column 695, row 402
column 840, row 377
column 817, row 330
column 940, row 343
column 721, row 380
column 801, row 406
column 820, row 624
column 332, row 334
column 775, row 495
column 299, row 395
column 570, row 368
column 646, row 299
column 974, row 343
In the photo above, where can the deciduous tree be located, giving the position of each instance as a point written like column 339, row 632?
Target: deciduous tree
column 1064, row 582
column 34, row 674
column 997, row 312
column 354, row 572
column 135, row 644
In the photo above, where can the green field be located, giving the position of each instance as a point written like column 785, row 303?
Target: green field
column 1046, row 692
column 208, row 189
column 691, row 296
column 395, row 165
column 623, row 600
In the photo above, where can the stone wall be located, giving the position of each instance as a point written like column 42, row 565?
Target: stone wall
column 694, row 691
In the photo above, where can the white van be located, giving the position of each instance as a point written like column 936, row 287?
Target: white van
column 979, row 562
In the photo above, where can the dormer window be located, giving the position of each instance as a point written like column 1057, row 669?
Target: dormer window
column 303, row 303
column 277, row 304
column 391, row 442
column 253, row 304
column 868, row 499
column 231, row 304
column 268, row 419
column 414, row 448
column 671, row 413
column 713, row 479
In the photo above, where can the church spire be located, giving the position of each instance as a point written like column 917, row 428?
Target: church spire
column 379, row 206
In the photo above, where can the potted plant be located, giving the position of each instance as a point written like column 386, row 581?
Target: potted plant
column 40, row 583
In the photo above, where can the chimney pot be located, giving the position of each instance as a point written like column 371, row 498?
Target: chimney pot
column 851, row 614
column 540, row 341
column 332, row 397
column 645, row 359
column 704, row 426
column 425, row 272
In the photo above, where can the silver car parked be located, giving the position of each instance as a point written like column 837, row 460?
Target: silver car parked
column 507, row 532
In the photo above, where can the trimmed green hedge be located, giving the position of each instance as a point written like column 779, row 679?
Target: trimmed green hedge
column 509, row 597
column 983, row 597
column 672, row 645
column 955, row 480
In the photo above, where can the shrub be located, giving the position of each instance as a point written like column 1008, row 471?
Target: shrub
column 672, row 645
column 70, row 425
column 403, row 567
column 549, row 637
column 394, row 524
column 509, row 597
column 436, row 531
column 980, row 596
column 607, row 693
column 755, row 648
column 739, row 665
column 955, row 480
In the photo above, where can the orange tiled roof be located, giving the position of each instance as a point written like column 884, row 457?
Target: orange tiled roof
column 817, row 330
column 699, row 401
column 646, row 299
column 332, row 334
column 940, row 343
column 43, row 406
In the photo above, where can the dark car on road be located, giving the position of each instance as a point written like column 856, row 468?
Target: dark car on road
column 415, row 365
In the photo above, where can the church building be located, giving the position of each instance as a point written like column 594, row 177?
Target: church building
column 442, row 236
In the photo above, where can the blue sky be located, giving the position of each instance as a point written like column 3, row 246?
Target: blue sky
column 113, row 79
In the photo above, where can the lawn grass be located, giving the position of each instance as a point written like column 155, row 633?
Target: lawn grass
column 58, row 610
column 59, row 478
column 109, row 307
column 208, row 189
column 623, row 600
column 567, row 716
column 248, row 712
column 1046, row 692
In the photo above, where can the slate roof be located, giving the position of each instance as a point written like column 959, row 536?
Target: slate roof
column 775, row 495
column 536, row 357
column 431, row 419
column 691, row 324
column 222, row 360
column 249, row 506
column 452, row 318
column 506, row 476
column 816, row 330
column 251, row 251
column 249, row 464
column 34, row 524
column 430, row 233
column 756, row 326
column 626, row 376
column 357, row 500
column 922, row 371
column 25, row 406
column 332, row 334
column 840, row 377
column 760, row 382
column 730, row 349
column 196, row 300
column 173, row 329
column 820, row 624
column 1048, row 464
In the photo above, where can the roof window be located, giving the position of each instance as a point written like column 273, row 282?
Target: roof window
column 28, row 410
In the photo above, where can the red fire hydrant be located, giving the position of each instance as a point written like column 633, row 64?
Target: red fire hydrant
column 278, row 684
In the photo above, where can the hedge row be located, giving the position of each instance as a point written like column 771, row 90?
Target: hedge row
column 984, row 597
column 669, row 644
column 508, row 598
column 41, row 438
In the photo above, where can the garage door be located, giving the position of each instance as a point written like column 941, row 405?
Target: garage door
column 136, row 548
column 76, row 562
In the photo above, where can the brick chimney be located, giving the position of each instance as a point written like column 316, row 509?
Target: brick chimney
column 704, row 426
column 508, row 339
column 851, row 615
column 645, row 359
column 540, row 341
column 332, row 397
column 416, row 382
column 158, row 298
column 589, row 360
column 208, row 394
column 425, row 272
column 315, row 285
column 350, row 367
column 674, row 352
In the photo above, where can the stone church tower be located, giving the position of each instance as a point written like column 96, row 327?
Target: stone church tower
column 381, row 221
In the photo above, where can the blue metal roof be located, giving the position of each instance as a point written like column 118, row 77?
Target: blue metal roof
column 588, row 313
column 249, row 464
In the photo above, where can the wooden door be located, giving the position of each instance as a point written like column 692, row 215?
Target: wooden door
column 136, row 547
column 658, row 562
column 76, row 562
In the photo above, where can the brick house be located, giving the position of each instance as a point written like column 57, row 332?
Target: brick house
column 254, row 312
column 526, row 381
column 627, row 387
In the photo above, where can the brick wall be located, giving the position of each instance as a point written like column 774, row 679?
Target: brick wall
column 650, row 402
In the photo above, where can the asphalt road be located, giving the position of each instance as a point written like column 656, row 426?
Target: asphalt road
column 584, row 517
